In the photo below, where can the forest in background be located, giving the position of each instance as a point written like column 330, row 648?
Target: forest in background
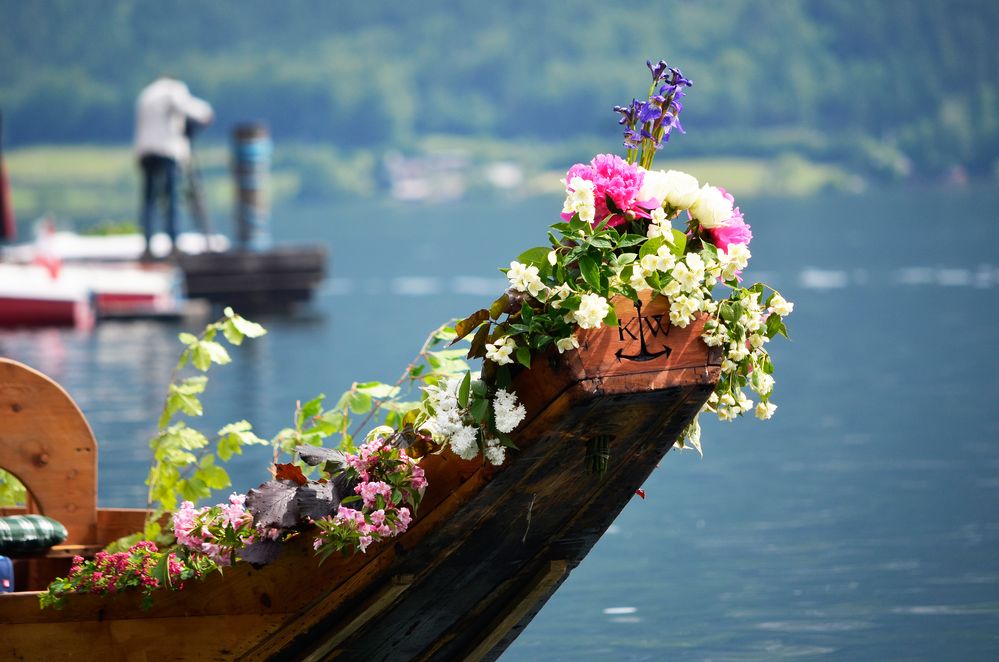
column 888, row 89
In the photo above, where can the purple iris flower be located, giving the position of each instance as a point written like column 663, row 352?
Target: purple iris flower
column 649, row 112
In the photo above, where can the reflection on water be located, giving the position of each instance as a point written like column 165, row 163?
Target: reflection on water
column 861, row 523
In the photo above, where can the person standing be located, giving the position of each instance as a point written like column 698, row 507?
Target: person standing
column 163, row 148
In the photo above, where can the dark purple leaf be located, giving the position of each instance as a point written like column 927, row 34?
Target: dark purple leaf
column 316, row 455
column 317, row 500
column 274, row 504
column 261, row 552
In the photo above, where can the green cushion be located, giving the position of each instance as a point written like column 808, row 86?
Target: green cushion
column 25, row 534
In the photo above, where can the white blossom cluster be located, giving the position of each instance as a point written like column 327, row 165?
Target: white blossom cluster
column 450, row 423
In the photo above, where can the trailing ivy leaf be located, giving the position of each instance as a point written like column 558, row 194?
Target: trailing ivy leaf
column 463, row 390
column 214, row 476
column 245, row 326
column 200, row 357
column 524, row 356
column 290, row 472
column 467, row 325
column 273, row 504
column 360, row 403
column 310, row 409
column 231, row 333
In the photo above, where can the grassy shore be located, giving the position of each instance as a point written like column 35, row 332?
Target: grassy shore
column 89, row 184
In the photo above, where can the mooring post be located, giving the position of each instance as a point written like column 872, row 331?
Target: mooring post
column 252, row 149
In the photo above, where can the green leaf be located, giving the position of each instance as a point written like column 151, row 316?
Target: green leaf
column 526, row 313
column 200, row 357
column 246, row 327
column 231, row 333
column 188, row 338
column 651, row 246
column 216, row 352
column 611, row 318
column 679, row 243
column 463, row 389
column 360, row 403
column 480, row 410
column 310, row 409
column 537, row 256
column 524, row 356
column 590, row 271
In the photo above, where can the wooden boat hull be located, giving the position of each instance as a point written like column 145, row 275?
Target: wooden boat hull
column 490, row 545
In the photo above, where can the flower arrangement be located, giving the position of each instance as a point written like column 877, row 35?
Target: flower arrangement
column 617, row 237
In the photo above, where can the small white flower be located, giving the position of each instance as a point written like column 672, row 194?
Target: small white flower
column 500, row 351
column 508, row 412
column 558, row 295
column 579, row 199
column 464, row 444
column 495, row 452
column 552, row 258
column 765, row 410
column 761, row 382
column 728, row 365
column 524, row 278
column 566, row 344
column 781, row 306
column 593, row 308
column 738, row 351
column 712, row 208
column 756, row 340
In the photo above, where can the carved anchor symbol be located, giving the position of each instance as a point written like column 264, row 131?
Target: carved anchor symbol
column 644, row 354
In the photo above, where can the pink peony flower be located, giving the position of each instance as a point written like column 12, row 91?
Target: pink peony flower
column 613, row 178
column 735, row 230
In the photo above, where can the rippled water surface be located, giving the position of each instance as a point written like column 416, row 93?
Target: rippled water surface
column 861, row 523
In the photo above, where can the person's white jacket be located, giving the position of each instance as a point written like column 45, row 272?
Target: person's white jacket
column 160, row 115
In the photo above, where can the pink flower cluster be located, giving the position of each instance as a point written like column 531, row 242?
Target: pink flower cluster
column 110, row 573
column 734, row 231
column 199, row 529
column 390, row 483
column 613, row 178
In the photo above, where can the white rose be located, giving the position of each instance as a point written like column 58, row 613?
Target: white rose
column 712, row 208
column 681, row 189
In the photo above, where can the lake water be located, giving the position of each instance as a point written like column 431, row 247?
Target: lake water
column 861, row 523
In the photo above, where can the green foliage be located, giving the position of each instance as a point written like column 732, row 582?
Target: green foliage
column 12, row 492
column 185, row 464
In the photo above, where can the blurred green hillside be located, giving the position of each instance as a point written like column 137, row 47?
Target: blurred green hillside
column 883, row 89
